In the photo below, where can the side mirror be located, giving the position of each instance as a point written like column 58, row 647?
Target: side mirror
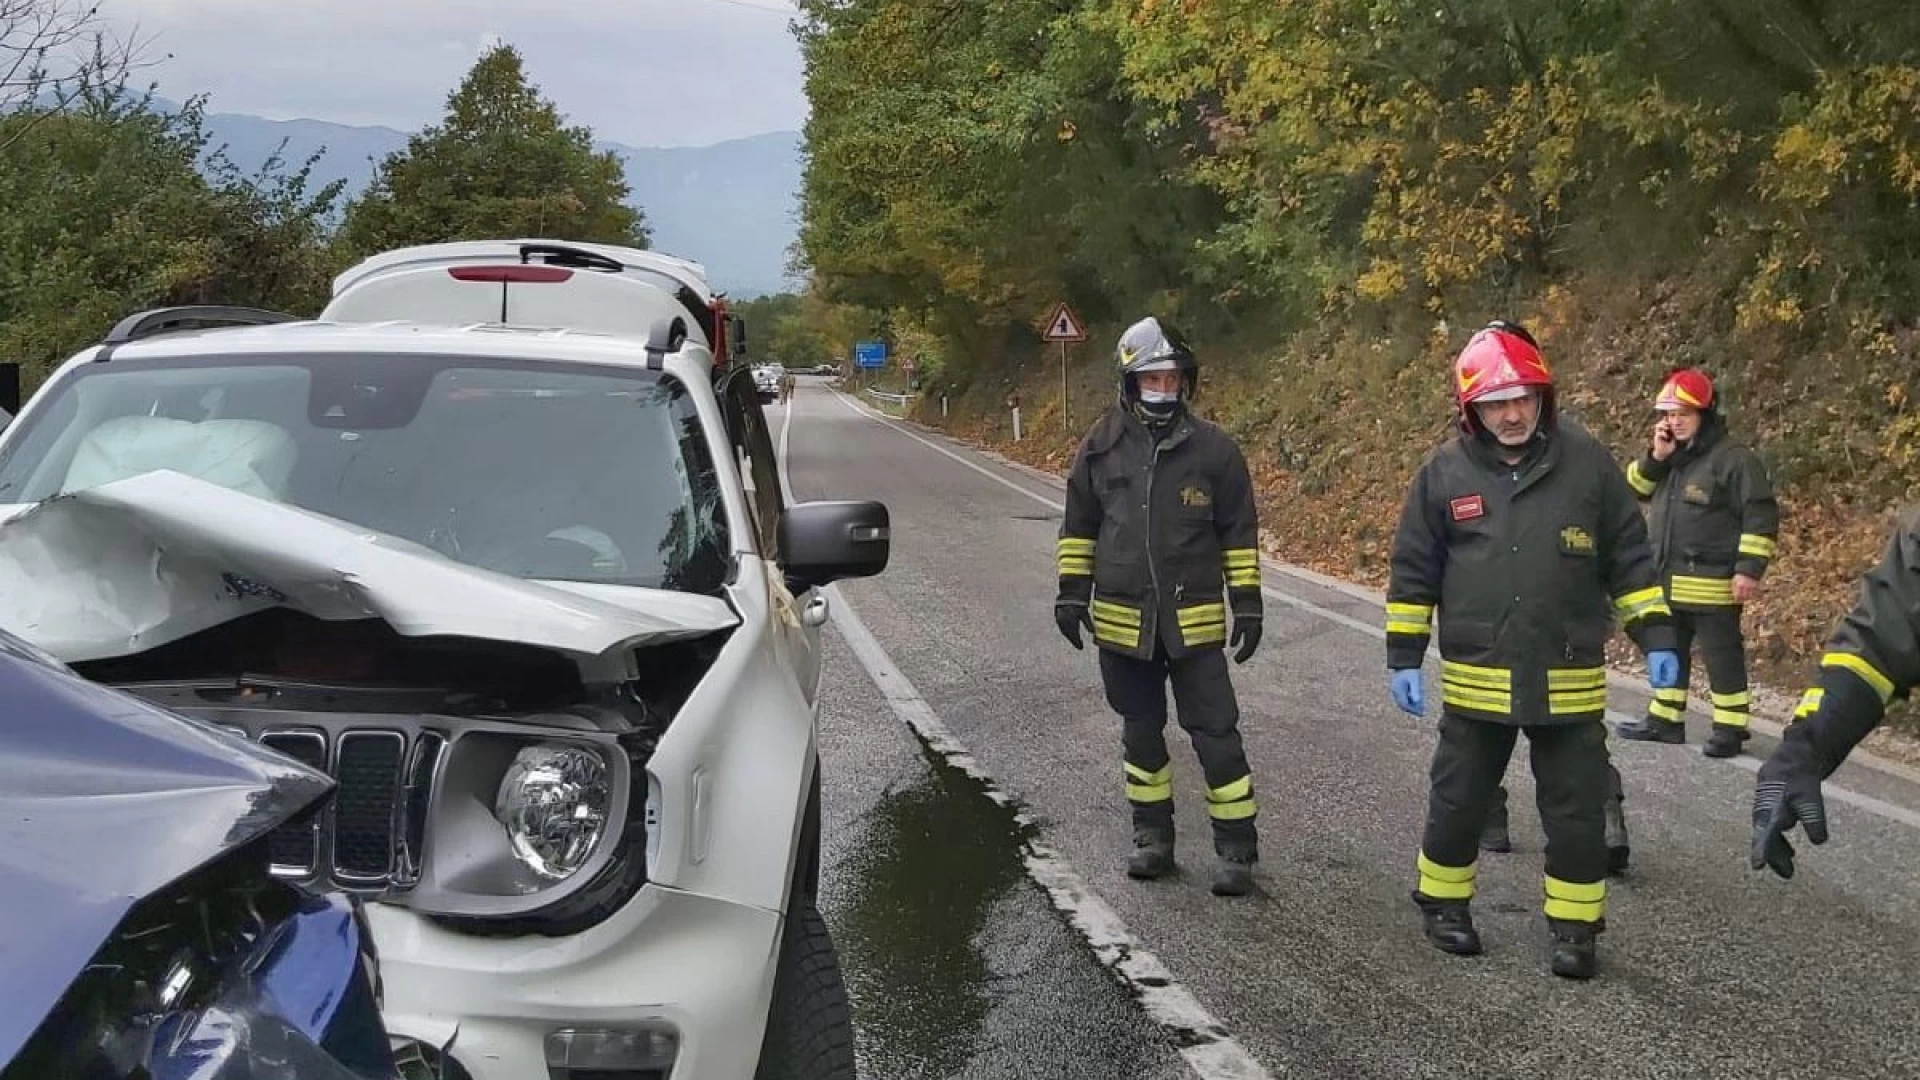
column 826, row 541
column 9, row 391
column 739, row 337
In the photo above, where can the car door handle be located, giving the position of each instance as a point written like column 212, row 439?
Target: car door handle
column 815, row 613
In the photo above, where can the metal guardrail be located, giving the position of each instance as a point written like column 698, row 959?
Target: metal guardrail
column 897, row 399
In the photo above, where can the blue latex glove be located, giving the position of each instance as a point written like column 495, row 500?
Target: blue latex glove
column 1408, row 691
column 1663, row 669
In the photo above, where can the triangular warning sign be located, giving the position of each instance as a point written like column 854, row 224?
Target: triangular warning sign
column 1064, row 325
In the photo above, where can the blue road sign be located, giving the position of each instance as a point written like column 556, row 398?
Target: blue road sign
column 870, row 354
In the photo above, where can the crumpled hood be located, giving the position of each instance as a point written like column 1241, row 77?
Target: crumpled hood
column 105, row 800
column 131, row 565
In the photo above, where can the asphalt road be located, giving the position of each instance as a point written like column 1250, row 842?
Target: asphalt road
column 962, row 965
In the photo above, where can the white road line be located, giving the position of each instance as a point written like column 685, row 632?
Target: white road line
column 1872, row 805
column 1208, row 1049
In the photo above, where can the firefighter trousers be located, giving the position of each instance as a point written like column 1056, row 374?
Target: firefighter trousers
column 1210, row 713
column 1721, row 646
column 1571, row 781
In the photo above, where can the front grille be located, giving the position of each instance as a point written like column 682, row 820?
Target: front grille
column 296, row 848
column 371, row 835
column 368, row 769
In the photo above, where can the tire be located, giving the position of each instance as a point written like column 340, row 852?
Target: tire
column 810, row 1024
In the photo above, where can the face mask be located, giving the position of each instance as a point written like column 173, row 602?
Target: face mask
column 1157, row 398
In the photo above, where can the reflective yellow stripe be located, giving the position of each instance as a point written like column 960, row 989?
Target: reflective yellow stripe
column 1240, row 558
column 1489, row 678
column 1471, row 687
column 1580, row 902
column 1638, row 480
column 1444, row 882
column 1738, row 700
column 1641, row 603
column 1757, row 546
column 1075, row 567
column 1243, row 579
column 1673, row 695
column 1480, row 700
column 1234, row 811
column 1075, row 545
column 1714, row 592
column 1202, row 613
column 1572, row 704
column 1116, row 613
column 1415, row 619
column 1149, row 793
column 1809, row 703
column 1127, row 637
column 1867, row 672
column 1162, row 775
column 1208, row 634
column 1730, row 717
column 1231, row 792
column 1576, row 678
column 1667, row 711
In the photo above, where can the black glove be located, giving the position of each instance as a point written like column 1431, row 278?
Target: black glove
column 1070, row 618
column 1246, row 634
column 1787, row 793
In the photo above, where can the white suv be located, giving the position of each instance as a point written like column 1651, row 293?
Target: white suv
column 534, row 598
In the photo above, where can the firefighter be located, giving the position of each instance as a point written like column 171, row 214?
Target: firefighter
column 1157, row 546
column 1714, row 524
column 1522, row 531
column 1872, row 657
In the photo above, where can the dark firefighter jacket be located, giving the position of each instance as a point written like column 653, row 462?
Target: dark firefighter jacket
column 1872, row 656
column 1528, row 564
column 1156, row 535
column 1713, row 516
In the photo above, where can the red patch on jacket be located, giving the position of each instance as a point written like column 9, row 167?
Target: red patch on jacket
column 1468, row 507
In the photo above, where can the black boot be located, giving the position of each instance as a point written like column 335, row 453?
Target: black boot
column 1449, row 925
column 1725, row 741
column 1233, row 869
column 1575, row 954
column 1493, row 835
column 1618, row 847
column 1152, row 852
column 1652, row 729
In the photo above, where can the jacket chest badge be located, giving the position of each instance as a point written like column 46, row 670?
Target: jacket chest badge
column 1575, row 540
column 1468, row 507
column 1696, row 494
column 1195, row 497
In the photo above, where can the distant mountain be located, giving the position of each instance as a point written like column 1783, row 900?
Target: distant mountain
column 732, row 206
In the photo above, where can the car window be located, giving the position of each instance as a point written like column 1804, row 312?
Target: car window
column 535, row 470
column 759, row 468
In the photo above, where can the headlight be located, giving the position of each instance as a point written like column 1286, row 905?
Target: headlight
column 554, row 803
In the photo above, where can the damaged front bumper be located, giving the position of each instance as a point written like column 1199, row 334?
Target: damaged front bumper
column 674, row 982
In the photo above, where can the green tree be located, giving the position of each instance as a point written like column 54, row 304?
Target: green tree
column 105, row 210
column 501, row 163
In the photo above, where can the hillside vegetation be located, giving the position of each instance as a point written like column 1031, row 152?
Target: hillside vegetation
column 1329, row 196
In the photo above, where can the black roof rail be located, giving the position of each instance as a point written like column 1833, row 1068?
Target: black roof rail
column 568, row 255
column 164, row 320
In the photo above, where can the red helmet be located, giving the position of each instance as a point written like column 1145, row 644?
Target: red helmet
column 1501, row 361
column 1686, row 388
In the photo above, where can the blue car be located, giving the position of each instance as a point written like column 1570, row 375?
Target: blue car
column 141, row 933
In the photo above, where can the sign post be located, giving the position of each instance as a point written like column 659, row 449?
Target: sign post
column 1064, row 326
column 870, row 356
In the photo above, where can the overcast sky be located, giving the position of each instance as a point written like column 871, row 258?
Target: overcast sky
column 641, row 72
